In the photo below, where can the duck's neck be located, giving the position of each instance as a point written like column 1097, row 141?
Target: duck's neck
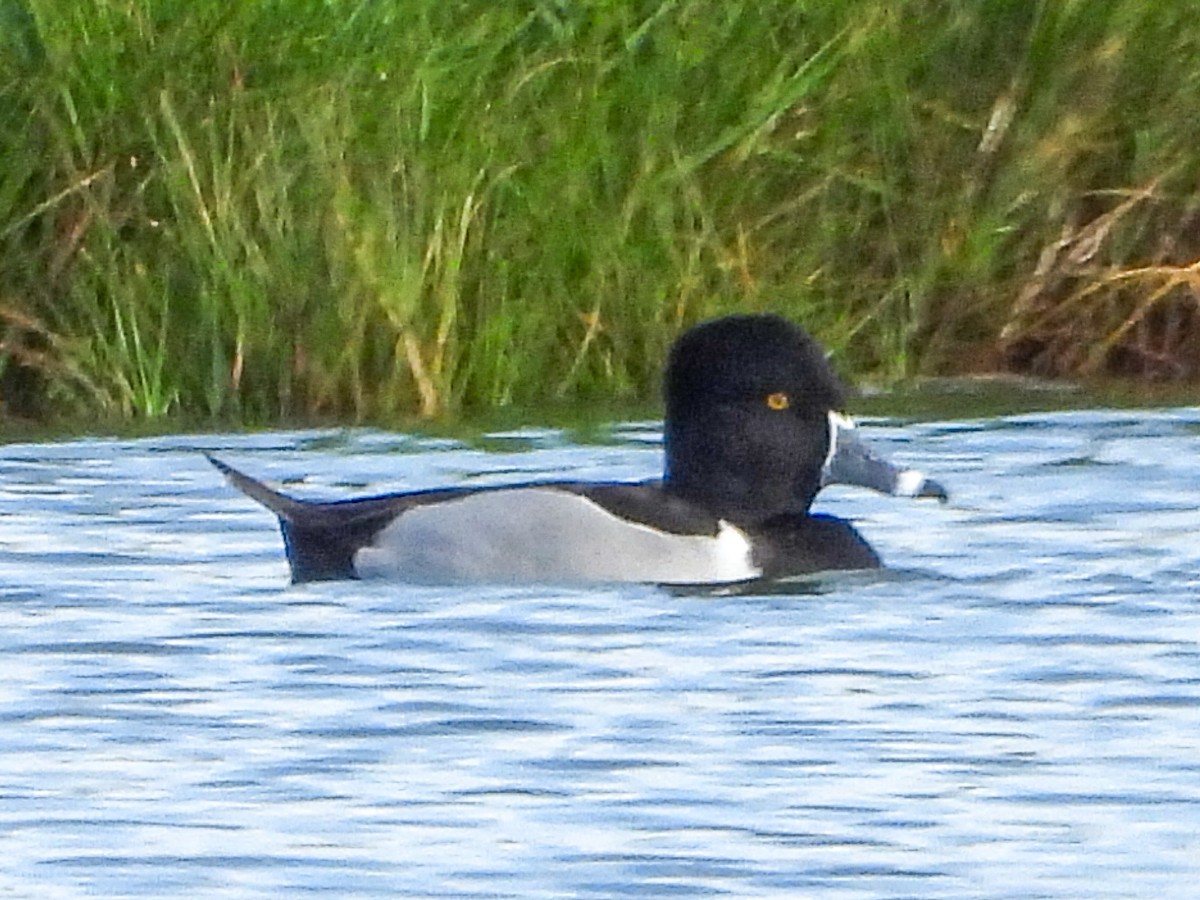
column 731, row 477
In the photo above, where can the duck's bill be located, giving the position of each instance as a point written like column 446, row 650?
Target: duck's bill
column 851, row 461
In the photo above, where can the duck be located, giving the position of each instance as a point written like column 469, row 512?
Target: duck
column 753, row 430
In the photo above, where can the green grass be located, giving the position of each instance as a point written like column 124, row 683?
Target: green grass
column 351, row 210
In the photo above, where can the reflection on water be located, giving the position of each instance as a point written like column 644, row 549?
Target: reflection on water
column 1012, row 710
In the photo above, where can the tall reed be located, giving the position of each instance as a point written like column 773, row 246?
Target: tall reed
column 350, row 209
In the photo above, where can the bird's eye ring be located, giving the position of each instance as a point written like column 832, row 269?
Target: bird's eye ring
column 778, row 401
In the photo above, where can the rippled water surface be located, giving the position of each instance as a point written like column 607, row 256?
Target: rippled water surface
column 1012, row 710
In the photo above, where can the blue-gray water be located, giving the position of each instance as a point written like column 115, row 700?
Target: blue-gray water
column 1013, row 710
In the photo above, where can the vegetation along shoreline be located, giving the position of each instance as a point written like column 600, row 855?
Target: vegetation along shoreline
column 346, row 211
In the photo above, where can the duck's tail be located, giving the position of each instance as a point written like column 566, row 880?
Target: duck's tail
column 321, row 539
column 287, row 508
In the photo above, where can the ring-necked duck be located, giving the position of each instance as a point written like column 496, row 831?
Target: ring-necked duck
column 751, row 435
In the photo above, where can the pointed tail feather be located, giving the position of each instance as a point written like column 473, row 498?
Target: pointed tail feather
column 321, row 539
column 282, row 505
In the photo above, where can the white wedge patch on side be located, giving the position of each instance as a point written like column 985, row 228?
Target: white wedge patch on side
column 543, row 535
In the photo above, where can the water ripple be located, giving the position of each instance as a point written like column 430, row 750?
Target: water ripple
column 1012, row 710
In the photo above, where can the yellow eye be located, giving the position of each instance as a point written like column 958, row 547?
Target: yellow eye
column 778, row 401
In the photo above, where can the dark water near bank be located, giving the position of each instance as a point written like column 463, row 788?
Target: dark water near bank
column 1013, row 710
